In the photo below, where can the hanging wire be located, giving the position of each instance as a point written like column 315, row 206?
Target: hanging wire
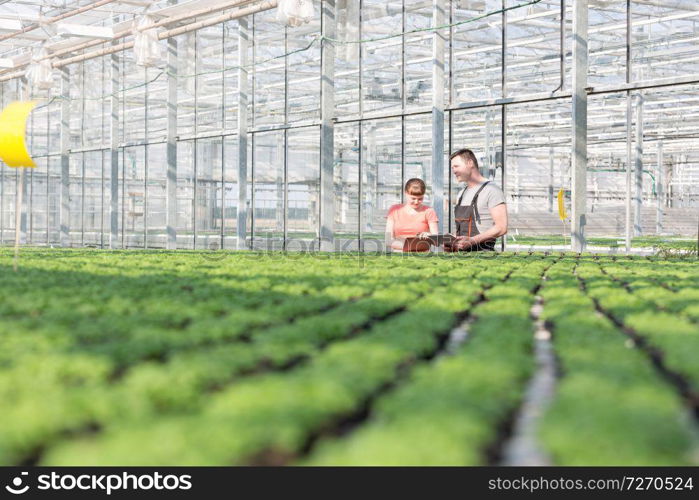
column 313, row 41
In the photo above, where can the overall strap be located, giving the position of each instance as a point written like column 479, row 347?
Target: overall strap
column 461, row 196
column 475, row 199
column 463, row 192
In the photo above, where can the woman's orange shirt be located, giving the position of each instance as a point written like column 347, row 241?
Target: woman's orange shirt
column 406, row 225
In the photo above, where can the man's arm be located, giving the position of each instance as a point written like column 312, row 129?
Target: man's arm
column 499, row 215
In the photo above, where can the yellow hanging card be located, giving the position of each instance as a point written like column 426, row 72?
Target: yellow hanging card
column 561, row 205
column 13, row 126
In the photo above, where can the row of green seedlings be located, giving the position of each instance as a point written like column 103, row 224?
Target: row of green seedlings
column 672, row 339
column 271, row 417
column 611, row 407
column 673, row 287
column 131, row 320
column 239, row 322
column 131, row 317
column 453, row 411
column 75, row 388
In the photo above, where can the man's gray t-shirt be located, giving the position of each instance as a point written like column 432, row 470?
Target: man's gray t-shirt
column 490, row 197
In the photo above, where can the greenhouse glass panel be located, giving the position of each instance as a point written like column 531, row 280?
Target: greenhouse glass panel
column 476, row 51
column 229, row 198
column 92, row 205
column 76, row 189
column 269, row 189
column 105, row 223
column 157, row 104
column 303, row 210
column 537, row 164
column 664, row 39
column 346, row 184
column 418, row 152
column 91, row 99
column 382, row 59
column 209, row 83
column 10, row 178
column 230, row 74
column 76, row 122
column 669, row 120
column 185, row 194
column 607, row 43
column 381, row 175
column 134, row 195
column 208, row 192
column 133, row 100
column 38, row 222
column 37, row 131
column 156, row 195
column 186, row 83
column 304, row 71
column 533, row 48
column 53, row 201
column 418, row 55
column 54, row 120
column 608, row 162
column 347, row 59
column 269, row 70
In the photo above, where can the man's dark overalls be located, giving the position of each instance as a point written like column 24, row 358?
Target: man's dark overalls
column 466, row 218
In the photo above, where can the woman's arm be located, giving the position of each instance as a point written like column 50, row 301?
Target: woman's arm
column 390, row 240
column 432, row 222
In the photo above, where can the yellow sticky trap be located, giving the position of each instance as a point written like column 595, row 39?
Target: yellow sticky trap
column 13, row 126
column 561, row 205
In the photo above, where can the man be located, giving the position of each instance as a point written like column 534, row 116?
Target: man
column 480, row 212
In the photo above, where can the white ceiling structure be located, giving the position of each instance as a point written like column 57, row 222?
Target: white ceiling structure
column 664, row 37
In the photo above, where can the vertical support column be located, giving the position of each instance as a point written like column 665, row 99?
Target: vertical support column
column 438, row 41
column 102, row 160
column 283, row 187
column 628, row 129
column 222, row 199
column 195, row 146
column 243, row 44
column 638, row 195
column 503, row 112
column 145, row 161
column 114, row 157
column 171, row 179
column 660, row 191
column 579, row 173
column 360, row 142
column 628, row 208
column 23, row 184
column 327, row 112
column 550, row 192
column 404, row 102
column 82, row 156
column 64, row 211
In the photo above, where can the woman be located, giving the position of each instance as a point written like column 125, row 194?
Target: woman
column 411, row 218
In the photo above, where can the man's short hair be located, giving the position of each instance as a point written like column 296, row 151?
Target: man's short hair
column 465, row 154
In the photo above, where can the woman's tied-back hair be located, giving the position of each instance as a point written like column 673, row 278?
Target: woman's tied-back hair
column 465, row 154
column 415, row 187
